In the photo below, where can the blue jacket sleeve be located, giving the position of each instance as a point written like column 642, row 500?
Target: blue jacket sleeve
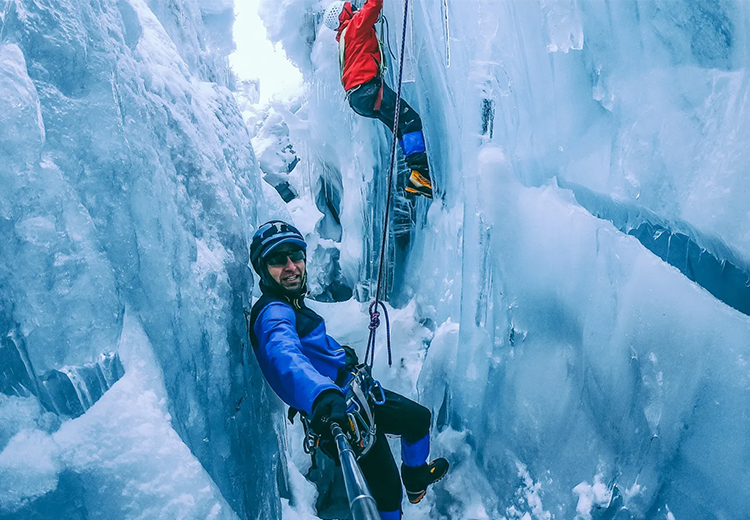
column 289, row 372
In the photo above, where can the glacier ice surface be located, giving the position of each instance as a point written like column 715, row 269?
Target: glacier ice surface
column 571, row 372
column 128, row 180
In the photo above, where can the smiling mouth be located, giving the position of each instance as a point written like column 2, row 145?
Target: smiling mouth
column 291, row 279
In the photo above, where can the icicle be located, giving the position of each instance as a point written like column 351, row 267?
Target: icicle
column 80, row 387
column 447, row 34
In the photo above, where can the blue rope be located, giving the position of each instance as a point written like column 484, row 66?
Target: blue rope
column 374, row 315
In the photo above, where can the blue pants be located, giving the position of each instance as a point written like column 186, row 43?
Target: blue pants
column 397, row 416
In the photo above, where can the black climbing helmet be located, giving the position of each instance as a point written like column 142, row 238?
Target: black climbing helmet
column 268, row 237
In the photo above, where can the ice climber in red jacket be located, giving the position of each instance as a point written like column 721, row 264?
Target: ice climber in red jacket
column 361, row 62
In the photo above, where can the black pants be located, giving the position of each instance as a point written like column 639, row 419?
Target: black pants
column 397, row 416
column 363, row 100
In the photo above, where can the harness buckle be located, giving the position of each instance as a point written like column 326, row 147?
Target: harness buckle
column 361, row 393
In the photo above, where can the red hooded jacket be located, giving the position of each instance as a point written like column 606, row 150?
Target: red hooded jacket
column 359, row 52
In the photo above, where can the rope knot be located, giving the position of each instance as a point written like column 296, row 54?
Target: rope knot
column 374, row 320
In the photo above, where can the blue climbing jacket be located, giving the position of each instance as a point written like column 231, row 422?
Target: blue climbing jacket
column 296, row 355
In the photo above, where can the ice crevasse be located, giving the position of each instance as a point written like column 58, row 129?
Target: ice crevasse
column 572, row 306
column 128, row 189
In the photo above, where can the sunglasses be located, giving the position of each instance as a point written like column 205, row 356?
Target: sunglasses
column 280, row 259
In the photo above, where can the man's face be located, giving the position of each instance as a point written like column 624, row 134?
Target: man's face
column 287, row 266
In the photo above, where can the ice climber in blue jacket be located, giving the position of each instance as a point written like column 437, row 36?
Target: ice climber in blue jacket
column 307, row 368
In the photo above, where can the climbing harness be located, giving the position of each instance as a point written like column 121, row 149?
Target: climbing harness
column 362, row 392
column 374, row 314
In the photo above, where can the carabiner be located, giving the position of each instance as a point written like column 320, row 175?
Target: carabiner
column 376, row 385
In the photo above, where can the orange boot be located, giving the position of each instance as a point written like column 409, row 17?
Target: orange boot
column 417, row 479
column 419, row 185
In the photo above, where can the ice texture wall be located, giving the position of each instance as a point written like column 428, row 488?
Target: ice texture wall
column 572, row 372
column 128, row 190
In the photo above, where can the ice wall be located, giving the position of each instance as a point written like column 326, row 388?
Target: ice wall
column 128, row 190
column 572, row 372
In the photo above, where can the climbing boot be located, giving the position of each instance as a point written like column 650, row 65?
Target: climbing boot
column 416, row 479
column 419, row 185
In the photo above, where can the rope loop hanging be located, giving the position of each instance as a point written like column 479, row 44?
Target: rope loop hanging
column 374, row 324
column 374, row 315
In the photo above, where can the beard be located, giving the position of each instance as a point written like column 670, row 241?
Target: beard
column 295, row 290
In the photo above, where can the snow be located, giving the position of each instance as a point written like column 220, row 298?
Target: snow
column 29, row 469
column 590, row 496
column 134, row 463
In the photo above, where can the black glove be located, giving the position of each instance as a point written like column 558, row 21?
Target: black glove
column 329, row 407
column 350, row 359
